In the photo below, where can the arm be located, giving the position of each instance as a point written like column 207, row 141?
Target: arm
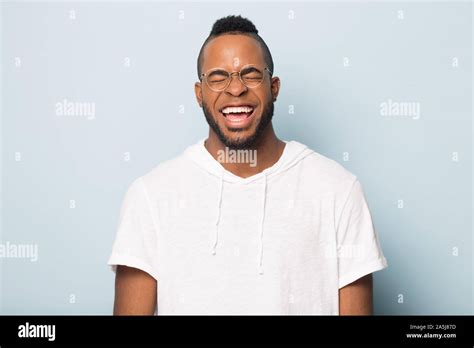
column 356, row 298
column 135, row 292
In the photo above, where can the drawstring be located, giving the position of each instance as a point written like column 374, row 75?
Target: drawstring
column 219, row 201
column 261, row 225
column 264, row 199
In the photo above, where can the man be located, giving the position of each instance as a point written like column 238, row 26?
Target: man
column 215, row 232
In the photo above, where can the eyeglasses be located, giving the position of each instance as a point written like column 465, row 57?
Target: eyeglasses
column 219, row 79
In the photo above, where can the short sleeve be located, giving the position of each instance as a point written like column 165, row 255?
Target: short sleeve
column 359, row 251
column 135, row 242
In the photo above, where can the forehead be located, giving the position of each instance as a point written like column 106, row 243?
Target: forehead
column 232, row 52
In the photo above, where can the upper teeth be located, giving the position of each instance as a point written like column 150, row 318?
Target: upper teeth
column 231, row 110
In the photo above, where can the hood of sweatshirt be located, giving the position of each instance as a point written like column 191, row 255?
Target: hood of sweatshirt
column 293, row 153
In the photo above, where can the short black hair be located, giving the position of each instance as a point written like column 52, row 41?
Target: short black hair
column 235, row 25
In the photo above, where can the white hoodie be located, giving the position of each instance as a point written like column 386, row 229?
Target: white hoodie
column 283, row 241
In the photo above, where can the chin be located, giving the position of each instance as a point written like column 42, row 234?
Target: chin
column 239, row 142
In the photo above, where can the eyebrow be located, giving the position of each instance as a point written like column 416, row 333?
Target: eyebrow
column 219, row 72
column 224, row 72
column 249, row 69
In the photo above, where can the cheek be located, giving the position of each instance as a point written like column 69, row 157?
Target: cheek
column 210, row 104
column 264, row 96
column 263, row 103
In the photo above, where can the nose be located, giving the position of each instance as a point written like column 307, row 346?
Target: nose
column 235, row 87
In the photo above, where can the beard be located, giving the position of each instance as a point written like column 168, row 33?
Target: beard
column 248, row 142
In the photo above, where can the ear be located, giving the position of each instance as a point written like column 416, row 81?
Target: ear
column 198, row 92
column 275, row 87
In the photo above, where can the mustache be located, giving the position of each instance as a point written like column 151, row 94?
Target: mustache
column 248, row 142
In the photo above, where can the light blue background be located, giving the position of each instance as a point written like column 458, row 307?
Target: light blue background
column 337, row 110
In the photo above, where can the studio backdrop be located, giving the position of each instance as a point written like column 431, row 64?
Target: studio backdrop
column 96, row 94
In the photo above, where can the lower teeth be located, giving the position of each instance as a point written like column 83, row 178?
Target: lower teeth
column 240, row 114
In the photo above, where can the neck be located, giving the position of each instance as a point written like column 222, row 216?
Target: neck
column 244, row 163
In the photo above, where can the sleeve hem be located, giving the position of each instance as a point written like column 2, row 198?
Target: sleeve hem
column 371, row 267
column 130, row 261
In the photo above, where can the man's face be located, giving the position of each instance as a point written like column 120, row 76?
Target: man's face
column 231, row 53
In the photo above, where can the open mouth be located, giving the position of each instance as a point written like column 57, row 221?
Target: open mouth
column 237, row 113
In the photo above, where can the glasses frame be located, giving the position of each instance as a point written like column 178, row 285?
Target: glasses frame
column 229, row 80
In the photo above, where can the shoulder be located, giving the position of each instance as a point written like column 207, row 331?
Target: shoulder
column 167, row 173
column 327, row 173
